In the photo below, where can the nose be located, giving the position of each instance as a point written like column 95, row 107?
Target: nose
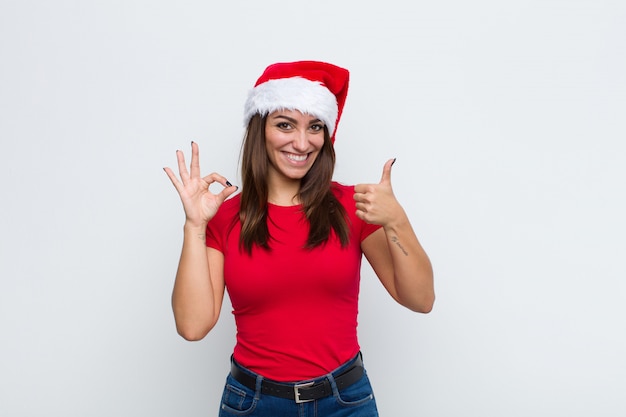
column 301, row 141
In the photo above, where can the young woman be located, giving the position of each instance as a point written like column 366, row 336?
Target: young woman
column 289, row 249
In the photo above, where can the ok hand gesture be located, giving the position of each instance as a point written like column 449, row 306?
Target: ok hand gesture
column 199, row 203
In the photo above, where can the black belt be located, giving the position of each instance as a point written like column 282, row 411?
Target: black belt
column 301, row 392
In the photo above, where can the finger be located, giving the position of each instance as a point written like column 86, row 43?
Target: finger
column 215, row 177
column 182, row 168
column 173, row 178
column 227, row 192
column 360, row 198
column 195, row 160
column 363, row 188
column 361, row 207
column 360, row 214
column 386, row 178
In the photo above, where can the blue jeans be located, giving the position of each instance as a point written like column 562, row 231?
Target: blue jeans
column 354, row 400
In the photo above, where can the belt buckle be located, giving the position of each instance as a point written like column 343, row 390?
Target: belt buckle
column 296, row 391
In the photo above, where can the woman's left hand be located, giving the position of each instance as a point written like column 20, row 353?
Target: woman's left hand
column 394, row 252
column 376, row 203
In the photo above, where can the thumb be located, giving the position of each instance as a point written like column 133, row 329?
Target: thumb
column 386, row 178
column 227, row 192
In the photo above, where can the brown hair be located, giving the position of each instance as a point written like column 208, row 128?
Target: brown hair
column 319, row 205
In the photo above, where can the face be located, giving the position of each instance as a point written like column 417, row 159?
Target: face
column 292, row 140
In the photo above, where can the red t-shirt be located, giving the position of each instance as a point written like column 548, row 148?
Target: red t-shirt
column 295, row 309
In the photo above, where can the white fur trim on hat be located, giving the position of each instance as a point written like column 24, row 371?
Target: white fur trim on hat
column 309, row 97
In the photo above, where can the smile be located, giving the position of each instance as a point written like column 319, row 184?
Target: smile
column 296, row 157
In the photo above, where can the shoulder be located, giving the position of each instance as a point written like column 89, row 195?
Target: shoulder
column 345, row 195
column 343, row 192
column 227, row 211
column 232, row 203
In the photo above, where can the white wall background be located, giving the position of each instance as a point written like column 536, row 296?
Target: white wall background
column 508, row 122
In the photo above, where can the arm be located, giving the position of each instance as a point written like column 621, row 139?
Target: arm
column 394, row 251
column 199, row 286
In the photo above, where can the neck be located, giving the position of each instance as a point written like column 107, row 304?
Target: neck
column 286, row 193
column 284, row 198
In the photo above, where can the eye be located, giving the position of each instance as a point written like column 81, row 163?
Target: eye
column 317, row 127
column 283, row 125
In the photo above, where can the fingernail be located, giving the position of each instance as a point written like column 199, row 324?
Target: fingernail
column 192, row 142
column 229, row 184
column 394, row 161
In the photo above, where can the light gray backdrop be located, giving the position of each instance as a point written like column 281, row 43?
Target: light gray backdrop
column 508, row 122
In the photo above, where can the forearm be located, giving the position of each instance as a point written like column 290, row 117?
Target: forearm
column 193, row 297
column 413, row 273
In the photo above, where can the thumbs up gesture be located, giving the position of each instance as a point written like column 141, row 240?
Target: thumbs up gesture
column 376, row 203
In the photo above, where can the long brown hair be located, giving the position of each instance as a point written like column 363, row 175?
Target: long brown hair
column 319, row 205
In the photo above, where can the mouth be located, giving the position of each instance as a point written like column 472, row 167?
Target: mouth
column 297, row 157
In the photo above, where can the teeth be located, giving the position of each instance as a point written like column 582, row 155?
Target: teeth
column 297, row 158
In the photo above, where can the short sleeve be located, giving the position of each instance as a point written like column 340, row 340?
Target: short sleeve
column 218, row 228
column 212, row 238
column 345, row 195
column 368, row 229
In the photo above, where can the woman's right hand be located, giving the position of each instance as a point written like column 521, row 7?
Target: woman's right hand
column 199, row 203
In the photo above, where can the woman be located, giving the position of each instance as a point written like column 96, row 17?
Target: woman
column 288, row 248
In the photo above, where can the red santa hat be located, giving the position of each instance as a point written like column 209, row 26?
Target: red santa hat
column 312, row 87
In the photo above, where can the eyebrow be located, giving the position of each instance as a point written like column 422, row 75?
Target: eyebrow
column 294, row 121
